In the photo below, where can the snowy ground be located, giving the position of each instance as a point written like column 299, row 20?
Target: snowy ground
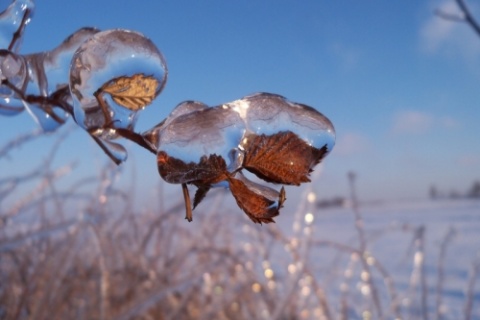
column 426, row 249
column 95, row 256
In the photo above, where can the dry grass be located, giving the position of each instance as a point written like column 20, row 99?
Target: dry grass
column 71, row 254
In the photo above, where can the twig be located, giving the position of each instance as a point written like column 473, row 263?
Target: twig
column 18, row 33
column 466, row 17
column 42, row 232
column 418, row 273
column 15, row 143
column 470, row 294
column 441, row 273
column 359, row 226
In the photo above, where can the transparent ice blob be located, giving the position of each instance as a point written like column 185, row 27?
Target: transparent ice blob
column 267, row 113
column 12, row 21
column 153, row 134
column 13, row 78
column 284, row 140
column 204, row 132
column 48, row 81
column 277, row 140
column 113, row 76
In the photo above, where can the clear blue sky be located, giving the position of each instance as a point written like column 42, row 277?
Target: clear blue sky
column 400, row 84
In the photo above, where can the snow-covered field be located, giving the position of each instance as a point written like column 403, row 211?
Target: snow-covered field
column 66, row 255
column 428, row 249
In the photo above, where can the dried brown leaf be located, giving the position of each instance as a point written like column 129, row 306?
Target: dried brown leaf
column 200, row 194
column 281, row 158
column 209, row 170
column 133, row 92
column 257, row 207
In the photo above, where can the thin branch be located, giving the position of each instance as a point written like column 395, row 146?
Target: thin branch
column 18, row 34
column 441, row 272
column 465, row 17
column 468, row 16
column 15, row 143
column 470, row 294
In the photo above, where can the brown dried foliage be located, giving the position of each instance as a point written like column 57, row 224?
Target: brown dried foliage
column 211, row 170
column 257, row 207
column 134, row 92
column 281, row 158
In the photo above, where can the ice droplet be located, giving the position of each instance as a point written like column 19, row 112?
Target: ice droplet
column 14, row 70
column 113, row 76
column 153, row 135
column 266, row 113
column 191, row 135
column 48, row 77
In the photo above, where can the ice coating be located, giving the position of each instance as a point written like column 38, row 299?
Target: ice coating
column 206, row 131
column 277, row 140
column 193, row 130
column 106, row 58
column 56, row 63
column 39, row 81
column 153, row 135
column 48, row 75
column 13, row 68
column 266, row 113
column 13, row 19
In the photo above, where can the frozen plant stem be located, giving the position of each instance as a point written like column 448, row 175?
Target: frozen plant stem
column 418, row 274
column 359, row 226
column 475, row 270
column 441, row 273
column 358, row 218
column 104, row 274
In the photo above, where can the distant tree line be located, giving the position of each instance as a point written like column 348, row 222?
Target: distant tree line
column 472, row 192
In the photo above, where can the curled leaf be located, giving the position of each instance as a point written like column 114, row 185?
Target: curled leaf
column 207, row 171
column 255, row 202
column 200, row 194
column 281, row 158
column 133, row 92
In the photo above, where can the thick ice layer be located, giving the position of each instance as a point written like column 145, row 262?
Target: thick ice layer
column 13, row 69
column 266, row 113
column 192, row 135
column 153, row 135
column 114, row 75
column 48, row 77
column 277, row 140
column 40, row 81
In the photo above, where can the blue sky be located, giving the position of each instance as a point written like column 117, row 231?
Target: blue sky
column 399, row 83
